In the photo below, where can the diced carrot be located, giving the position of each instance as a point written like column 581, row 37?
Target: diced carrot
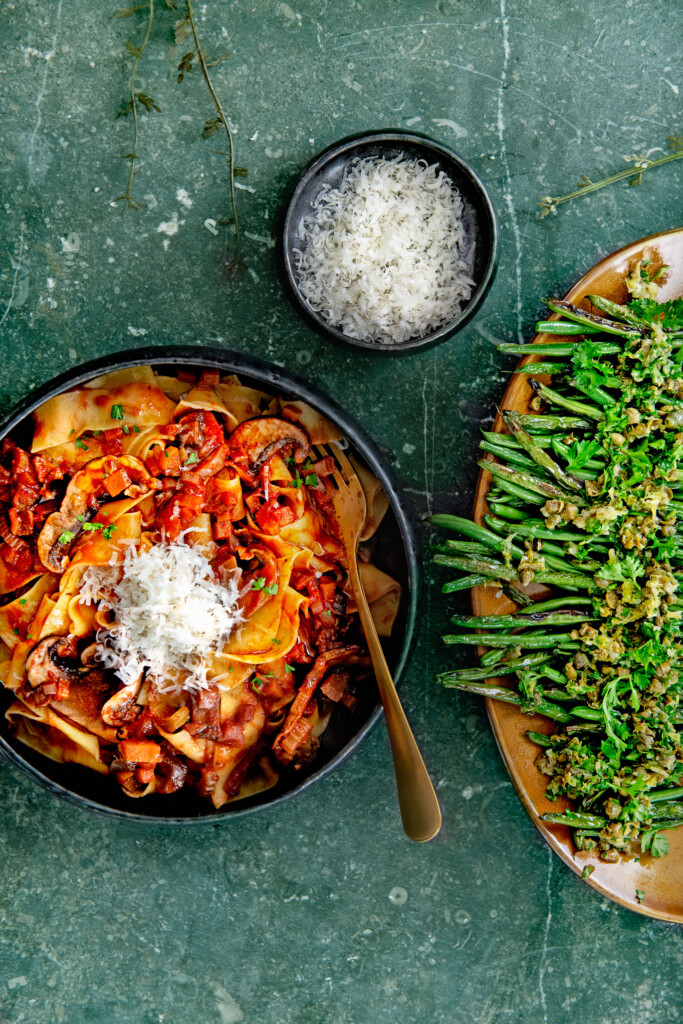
column 291, row 413
column 144, row 775
column 117, row 482
column 140, row 751
column 164, row 461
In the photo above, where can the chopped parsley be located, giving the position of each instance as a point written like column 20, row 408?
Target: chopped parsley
column 271, row 589
column 289, row 668
column 80, row 443
column 125, row 428
column 191, row 459
column 588, row 871
column 107, row 531
column 117, row 412
column 22, row 601
column 259, row 583
column 640, row 895
column 311, row 480
column 66, row 537
column 276, row 641
column 655, row 842
column 16, row 631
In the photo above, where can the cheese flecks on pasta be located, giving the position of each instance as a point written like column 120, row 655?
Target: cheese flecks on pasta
column 170, row 614
column 386, row 257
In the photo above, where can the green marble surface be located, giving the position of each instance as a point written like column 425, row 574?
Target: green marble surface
column 320, row 912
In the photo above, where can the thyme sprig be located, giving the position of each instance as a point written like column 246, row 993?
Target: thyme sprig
column 641, row 163
column 136, row 98
column 214, row 124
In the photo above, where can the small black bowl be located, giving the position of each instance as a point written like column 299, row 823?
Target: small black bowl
column 329, row 168
column 395, row 552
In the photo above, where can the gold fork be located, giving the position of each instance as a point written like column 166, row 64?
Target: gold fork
column 420, row 810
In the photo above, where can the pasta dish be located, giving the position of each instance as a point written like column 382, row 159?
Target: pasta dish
column 176, row 606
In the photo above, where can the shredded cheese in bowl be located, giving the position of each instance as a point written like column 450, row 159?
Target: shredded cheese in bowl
column 386, row 257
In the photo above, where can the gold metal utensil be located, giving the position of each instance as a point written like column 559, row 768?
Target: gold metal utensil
column 420, row 811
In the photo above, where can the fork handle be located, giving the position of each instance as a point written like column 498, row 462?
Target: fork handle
column 420, row 811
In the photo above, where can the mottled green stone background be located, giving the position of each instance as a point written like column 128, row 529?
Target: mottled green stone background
column 320, row 912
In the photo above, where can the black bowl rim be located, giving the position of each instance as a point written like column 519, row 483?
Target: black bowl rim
column 230, row 361
column 285, row 257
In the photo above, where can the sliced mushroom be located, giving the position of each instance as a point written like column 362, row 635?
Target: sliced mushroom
column 296, row 730
column 121, row 708
column 74, row 684
column 255, row 441
column 53, row 662
column 84, row 495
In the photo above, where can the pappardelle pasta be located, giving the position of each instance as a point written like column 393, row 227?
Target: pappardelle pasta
column 177, row 610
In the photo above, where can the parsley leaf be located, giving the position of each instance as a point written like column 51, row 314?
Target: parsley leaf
column 655, row 842
column 580, row 453
column 259, row 583
column 272, row 589
column 66, row 537
column 311, row 480
column 191, row 459
column 117, row 412
column 80, row 443
column 669, row 315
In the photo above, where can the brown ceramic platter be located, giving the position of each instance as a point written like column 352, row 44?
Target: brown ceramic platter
column 661, row 880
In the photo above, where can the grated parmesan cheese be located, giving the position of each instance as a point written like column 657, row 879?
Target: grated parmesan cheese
column 170, row 614
column 386, row 256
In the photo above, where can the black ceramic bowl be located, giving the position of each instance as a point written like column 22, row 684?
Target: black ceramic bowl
column 329, row 168
column 395, row 553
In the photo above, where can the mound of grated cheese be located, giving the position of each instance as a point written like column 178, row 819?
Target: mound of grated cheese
column 386, row 256
column 170, row 614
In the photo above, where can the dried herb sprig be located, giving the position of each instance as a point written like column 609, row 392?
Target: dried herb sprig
column 641, row 162
column 184, row 29
column 136, row 98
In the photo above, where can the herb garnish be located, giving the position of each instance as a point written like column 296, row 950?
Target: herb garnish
column 587, row 498
column 136, row 97
column 641, row 163
column 184, row 29
column 117, row 412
